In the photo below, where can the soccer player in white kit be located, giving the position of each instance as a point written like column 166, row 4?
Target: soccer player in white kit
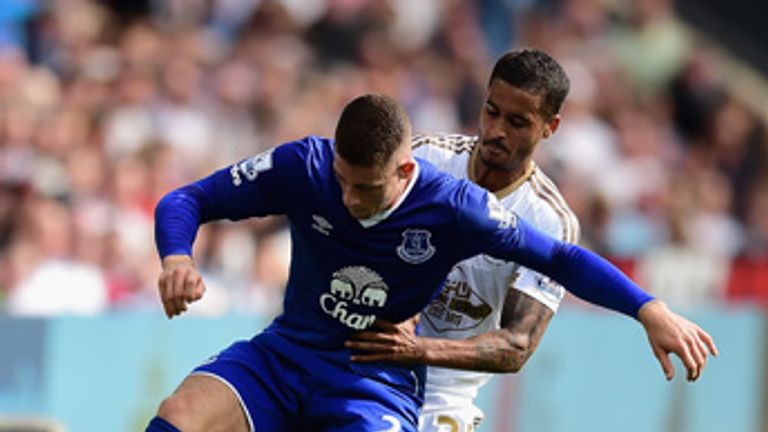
column 491, row 314
column 477, row 297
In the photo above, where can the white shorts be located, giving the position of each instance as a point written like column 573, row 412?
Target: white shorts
column 449, row 414
column 448, row 422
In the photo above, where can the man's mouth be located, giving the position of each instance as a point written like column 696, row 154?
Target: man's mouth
column 495, row 145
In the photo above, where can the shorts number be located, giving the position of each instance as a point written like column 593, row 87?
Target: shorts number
column 444, row 420
column 394, row 423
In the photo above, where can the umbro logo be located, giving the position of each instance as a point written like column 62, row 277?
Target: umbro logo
column 322, row 225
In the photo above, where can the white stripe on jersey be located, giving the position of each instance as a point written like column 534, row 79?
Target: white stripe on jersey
column 546, row 189
column 455, row 142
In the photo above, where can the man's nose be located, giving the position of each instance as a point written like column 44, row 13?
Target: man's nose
column 494, row 130
column 350, row 198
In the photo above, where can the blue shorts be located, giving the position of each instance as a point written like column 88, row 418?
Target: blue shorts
column 288, row 387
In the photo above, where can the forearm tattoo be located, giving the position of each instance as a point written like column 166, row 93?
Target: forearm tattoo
column 523, row 323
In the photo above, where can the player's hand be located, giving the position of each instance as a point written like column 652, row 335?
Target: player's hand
column 388, row 341
column 180, row 284
column 669, row 332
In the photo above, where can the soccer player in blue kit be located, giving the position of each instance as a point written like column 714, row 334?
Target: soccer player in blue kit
column 374, row 233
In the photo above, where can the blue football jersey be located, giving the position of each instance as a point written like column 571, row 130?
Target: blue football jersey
column 344, row 275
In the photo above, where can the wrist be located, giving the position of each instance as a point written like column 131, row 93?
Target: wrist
column 650, row 309
column 177, row 259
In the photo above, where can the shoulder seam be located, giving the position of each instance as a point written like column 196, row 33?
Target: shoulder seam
column 548, row 192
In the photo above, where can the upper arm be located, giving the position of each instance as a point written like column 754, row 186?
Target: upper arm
column 535, row 284
column 533, row 298
column 252, row 187
column 256, row 186
column 525, row 320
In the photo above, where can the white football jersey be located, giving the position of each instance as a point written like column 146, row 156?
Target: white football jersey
column 473, row 296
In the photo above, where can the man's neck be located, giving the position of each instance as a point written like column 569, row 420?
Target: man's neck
column 495, row 180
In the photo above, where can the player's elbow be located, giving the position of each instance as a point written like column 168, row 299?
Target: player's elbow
column 503, row 351
column 501, row 357
column 511, row 363
column 516, row 352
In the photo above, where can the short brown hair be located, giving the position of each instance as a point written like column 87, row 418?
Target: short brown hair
column 370, row 129
column 536, row 72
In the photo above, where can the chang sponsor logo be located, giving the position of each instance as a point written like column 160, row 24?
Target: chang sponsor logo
column 354, row 286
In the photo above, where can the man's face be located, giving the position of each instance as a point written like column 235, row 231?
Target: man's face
column 511, row 125
column 367, row 191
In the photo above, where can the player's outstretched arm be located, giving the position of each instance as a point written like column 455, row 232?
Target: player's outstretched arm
column 669, row 332
column 179, row 284
column 524, row 321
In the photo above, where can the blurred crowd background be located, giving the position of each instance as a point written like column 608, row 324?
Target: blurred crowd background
column 107, row 105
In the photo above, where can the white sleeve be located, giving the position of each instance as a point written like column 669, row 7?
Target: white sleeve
column 537, row 285
column 540, row 287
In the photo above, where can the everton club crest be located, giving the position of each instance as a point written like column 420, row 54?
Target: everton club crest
column 416, row 247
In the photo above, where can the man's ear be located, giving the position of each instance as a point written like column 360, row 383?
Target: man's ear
column 405, row 170
column 552, row 126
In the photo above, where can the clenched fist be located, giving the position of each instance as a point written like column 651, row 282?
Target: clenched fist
column 179, row 284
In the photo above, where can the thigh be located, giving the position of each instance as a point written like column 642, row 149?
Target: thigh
column 204, row 403
column 362, row 415
column 263, row 384
column 349, row 402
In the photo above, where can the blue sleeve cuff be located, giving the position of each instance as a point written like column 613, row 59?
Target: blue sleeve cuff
column 177, row 219
column 594, row 279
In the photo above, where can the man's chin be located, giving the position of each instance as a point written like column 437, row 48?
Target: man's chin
column 360, row 215
column 491, row 158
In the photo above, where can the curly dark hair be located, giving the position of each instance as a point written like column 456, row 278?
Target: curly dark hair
column 537, row 72
column 370, row 129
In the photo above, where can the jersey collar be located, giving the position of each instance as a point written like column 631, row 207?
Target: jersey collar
column 378, row 217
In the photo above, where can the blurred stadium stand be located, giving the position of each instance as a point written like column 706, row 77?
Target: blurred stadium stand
column 735, row 28
column 746, row 281
column 749, row 277
column 107, row 105
column 738, row 25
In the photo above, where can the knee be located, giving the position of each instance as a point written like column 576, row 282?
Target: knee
column 203, row 404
